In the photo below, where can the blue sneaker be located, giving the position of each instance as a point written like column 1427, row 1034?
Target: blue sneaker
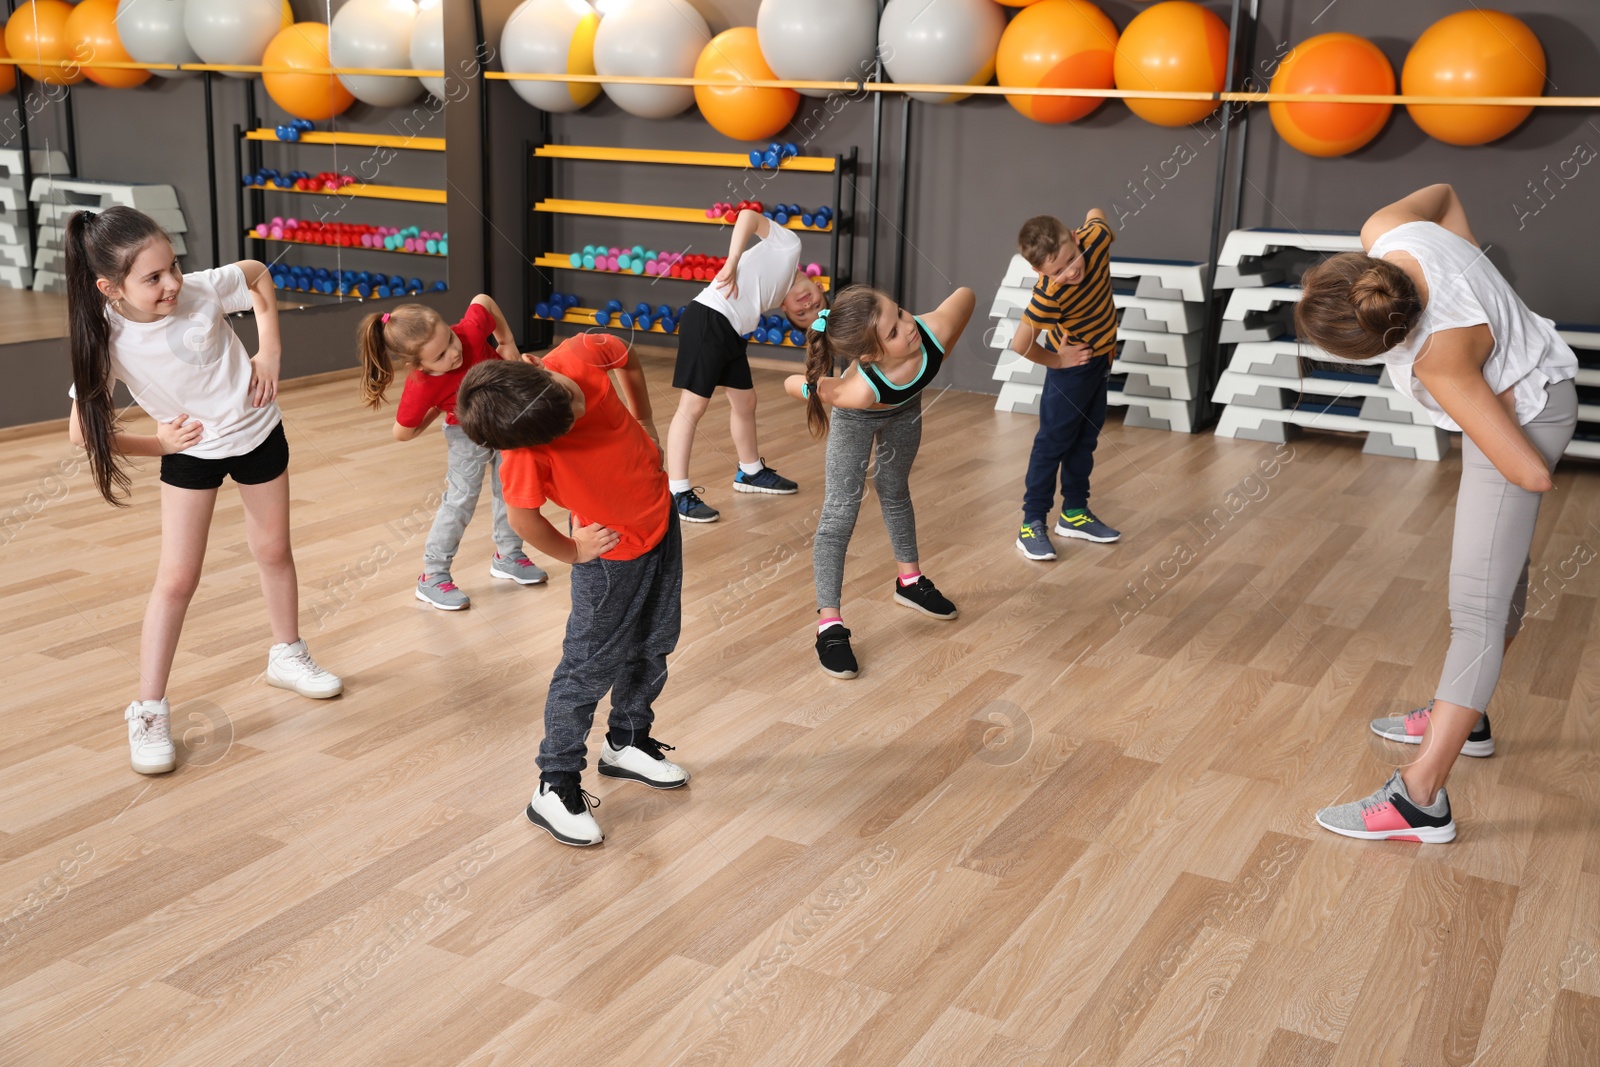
column 1086, row 526
column 765, row 480
column 692, row 509
column 1034, row 542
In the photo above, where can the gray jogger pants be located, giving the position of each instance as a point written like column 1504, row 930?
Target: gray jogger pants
column 463, row 485
column 625, row 619
column 898, row 433
column 1489, row 555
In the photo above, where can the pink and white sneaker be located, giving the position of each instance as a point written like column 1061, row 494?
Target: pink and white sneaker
column 1391, row 815
column 1409, row 728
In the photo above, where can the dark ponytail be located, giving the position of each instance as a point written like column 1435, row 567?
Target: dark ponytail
column 100, row 246
column 1355, row 306
column 850, row 331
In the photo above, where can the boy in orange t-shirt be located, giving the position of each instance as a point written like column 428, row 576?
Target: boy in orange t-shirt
column 566, row 437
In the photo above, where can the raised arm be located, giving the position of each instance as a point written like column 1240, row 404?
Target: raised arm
column 267, row 363
column 1452, row 369
column 748, row 224
column 947, row 321
column 503, row 336
column 1435, row 203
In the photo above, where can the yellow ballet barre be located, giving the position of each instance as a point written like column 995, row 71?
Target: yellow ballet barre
column 221, row 68
column 1113, row 94
column 11, row 61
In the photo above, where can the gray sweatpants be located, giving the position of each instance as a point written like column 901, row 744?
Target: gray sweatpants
column 463, row 485
column 625, row 619
column 898, row 432
column 1489, row 556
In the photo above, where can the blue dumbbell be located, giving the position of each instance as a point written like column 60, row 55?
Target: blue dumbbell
column 668, row 324
column 303, row 124
column 613, row 306
column 643, row 322
column 440, row 287
column 541, row 310
column 626, row 320
column 790, row 150
column 755, row 157
column 797, row 338
column 381, row 292
column 663, row 311
column 641, row 309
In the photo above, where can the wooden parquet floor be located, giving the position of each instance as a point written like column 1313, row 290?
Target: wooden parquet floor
column 1073, row 827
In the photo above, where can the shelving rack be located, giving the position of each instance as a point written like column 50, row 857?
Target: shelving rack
column 543, row 207
column 249, row 161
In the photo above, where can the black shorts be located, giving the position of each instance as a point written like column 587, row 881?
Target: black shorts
column 261, row 464
column 709, row 354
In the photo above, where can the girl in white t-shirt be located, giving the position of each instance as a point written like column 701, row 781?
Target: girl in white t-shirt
column 1454, row 335
column 135, row 318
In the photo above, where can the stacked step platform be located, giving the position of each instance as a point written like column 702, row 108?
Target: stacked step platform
column 16, row 247
column 1156, row 373
column 61, row 198
column 1585, row 341
column 1273, row 383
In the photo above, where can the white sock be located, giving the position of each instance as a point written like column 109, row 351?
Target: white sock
column 677, row 485
column 751, row 469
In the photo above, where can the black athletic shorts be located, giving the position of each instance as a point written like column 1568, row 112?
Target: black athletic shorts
column 709, row 354
column 261, row 464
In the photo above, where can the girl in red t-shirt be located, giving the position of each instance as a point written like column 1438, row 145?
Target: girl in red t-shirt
column 439, row 356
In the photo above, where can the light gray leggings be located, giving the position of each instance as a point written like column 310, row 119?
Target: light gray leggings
column 1489, row 556
column 850, row 437
column 467, row 465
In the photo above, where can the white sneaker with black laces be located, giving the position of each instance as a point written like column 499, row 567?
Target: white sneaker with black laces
column 150, row 748
column 642, row 762
column 291, row 667
column 563, row 810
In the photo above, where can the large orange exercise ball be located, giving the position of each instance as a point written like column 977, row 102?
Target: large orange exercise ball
column 1473, row 53
column 742, row 112
column 92, row 38
column 1057, row 44
column 1176, row 46
column 1332, row 63
column 305, row 96
column 38, row 31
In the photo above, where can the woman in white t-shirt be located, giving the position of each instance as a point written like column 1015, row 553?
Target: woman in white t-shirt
column 135, row 318
column 1456, row 337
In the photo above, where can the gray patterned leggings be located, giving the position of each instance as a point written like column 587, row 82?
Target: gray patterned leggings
column 851, row 434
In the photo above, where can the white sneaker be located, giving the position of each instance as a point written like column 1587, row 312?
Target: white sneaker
column 642, row 763
column 150, row 736
column 564, row 811
column 291, row 667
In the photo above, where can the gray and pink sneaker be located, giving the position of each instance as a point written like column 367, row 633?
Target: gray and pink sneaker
column 1409, row 728
column 517, row 567
column 441, row 592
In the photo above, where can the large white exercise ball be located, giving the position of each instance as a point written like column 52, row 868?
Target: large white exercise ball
column 944, row 42
column 153, row 33
column 552, row 37
column 818, row 40
column 651, row 38
column 427, row 44
column 375, row 35
column 230, row 31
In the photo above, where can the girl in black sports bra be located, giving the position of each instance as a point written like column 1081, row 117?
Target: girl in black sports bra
column 891, row 356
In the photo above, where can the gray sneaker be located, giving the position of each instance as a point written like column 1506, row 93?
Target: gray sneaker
column 1391, row 815
column 1409, row 728
column 441, row 592
column 516, row 566
column 1034, row 542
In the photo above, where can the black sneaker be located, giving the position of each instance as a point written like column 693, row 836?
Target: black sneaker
column 833, row 650
column 925, row 598
column 765, row 480
column 692, row 509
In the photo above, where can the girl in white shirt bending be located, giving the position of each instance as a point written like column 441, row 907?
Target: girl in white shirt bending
column 136, row 318
column 1459, row 340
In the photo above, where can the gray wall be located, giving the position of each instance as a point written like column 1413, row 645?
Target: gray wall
column 978, row 169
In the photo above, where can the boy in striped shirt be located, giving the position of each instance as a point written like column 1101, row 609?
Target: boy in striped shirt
column 1070, row 328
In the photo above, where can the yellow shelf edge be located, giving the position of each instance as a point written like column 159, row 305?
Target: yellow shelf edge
column 370, row 192
column 651, row 213
column 354, row 140
column 801, row 164
column 585, row 317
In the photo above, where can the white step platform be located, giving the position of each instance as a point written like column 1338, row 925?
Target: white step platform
column 1158, row 382
column 1383, row 438
column 1159, row 316
column 1377, row 402
column 16, row 277
column 98, row 195
column 1166, row 279
column 44, row 162
column 57, row 214
column 1584, row 449
column 1011, row 367
column 1164, row 349
column 1243, row 245
column 1150, row 413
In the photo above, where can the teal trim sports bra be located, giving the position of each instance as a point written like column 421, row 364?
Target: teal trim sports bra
column 886, row 391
